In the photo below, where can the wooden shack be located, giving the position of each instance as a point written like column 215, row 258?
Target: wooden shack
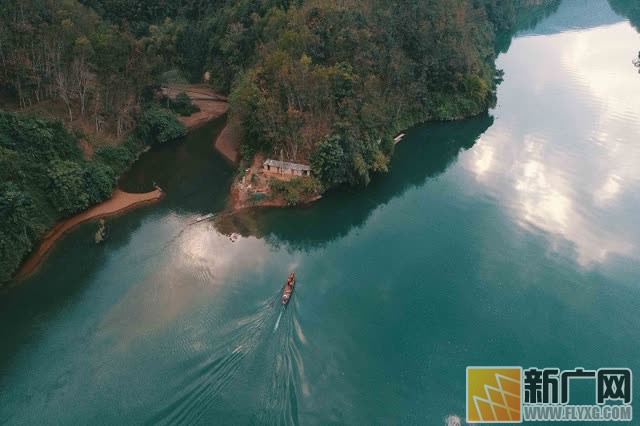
column 285, row 167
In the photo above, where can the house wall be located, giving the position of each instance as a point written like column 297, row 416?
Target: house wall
column 294, row 172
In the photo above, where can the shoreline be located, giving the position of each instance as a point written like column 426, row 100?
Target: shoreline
column 209, row 110
column 212, row 105
column 119, row 202
column 240, row 191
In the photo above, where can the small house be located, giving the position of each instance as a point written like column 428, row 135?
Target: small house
column 284, row 167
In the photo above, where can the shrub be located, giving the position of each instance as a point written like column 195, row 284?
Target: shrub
column 73, row 186
column 159, row 126
column 99, row 181
column 296, row 190
column 183, row 105
column 118, row 157
column 67, row 186
column 173, row 76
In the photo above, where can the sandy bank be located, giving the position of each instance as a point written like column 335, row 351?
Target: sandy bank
column 212, row 105
column 118, row 202
column 209, row 110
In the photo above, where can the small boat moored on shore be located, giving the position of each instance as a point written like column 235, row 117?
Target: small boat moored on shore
column 202, row 218
column 288, row 288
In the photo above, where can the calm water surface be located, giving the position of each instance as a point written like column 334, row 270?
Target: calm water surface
column 507, row 239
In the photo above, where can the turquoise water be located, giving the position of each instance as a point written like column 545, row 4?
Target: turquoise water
column 506, row 239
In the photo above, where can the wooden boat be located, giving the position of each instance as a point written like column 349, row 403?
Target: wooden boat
column 202, row 218
column 288, row 288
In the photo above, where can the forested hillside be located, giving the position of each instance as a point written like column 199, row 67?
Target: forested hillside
column 335, row 81
column 44, row 175
column 323, row 82
column 62, row 51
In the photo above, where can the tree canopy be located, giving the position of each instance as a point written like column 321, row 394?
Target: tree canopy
column 45, row 177
column 325, row 82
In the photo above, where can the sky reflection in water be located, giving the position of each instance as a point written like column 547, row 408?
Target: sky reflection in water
column 563, row 152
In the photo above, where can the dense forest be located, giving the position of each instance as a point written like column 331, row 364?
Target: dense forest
column 322, row 82
column 44, row 175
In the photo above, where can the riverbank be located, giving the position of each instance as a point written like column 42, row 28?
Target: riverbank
column 209, row 110
column 254, row 188
column 212, row 105
column 118, row 203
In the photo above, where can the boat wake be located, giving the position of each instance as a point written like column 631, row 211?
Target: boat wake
column 212, row 368
column 278, row 321
column 279, row 397
column 212, row 359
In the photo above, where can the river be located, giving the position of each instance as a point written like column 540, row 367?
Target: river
column 511, row 238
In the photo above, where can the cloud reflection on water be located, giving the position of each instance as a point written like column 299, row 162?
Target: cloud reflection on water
column 562, row 153
column 200, row 263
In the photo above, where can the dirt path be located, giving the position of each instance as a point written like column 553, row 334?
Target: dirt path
column 118, row 202
column 195, row 92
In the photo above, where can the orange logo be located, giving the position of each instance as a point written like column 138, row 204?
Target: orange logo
column 494, row 394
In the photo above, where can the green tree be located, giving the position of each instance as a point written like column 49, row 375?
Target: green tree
column 159, row 126
column 118, row 157
column 67, row 186
column 329, row 162
column 183, row 105
column 99, row 180
column 21, row 225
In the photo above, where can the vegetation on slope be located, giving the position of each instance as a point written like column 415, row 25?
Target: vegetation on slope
column 309, row 77
column 324, row 82
column 307, row 74
column 60, row 53
column 45, row 177
column 345, row 77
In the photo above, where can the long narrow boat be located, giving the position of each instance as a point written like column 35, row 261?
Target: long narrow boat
column 288, row 288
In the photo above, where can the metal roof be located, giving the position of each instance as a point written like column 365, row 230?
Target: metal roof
column 286, row 165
